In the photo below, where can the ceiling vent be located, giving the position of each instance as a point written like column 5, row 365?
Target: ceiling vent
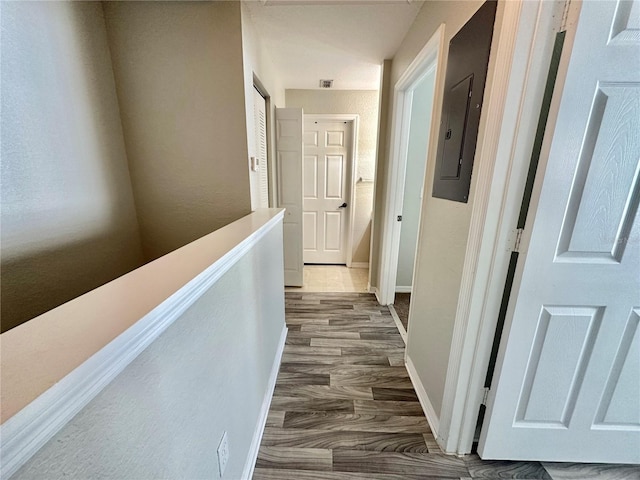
column 326, row 83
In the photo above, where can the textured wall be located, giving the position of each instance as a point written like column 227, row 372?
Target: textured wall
column 445, row 224
column 421, row 107
column 256, row 61
column 179, row 74
column 68, row 217
column 365, row 104
column 164, row 415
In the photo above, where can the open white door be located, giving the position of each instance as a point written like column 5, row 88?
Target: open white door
column 289, row 170
column 567, row 383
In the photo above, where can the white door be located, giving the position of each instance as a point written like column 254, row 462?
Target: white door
column 260, row 165
column 289, row 171
column 567, row 386
column 327, row 147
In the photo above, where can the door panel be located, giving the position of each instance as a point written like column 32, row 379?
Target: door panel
column 334, row 180
column 327, row 149
column 310, row 173
column 567, row 387
column 289, row 174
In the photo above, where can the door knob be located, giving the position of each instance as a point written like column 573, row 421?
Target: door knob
column 344, row 205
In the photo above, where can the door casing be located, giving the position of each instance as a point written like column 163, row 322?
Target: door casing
column 430, row 57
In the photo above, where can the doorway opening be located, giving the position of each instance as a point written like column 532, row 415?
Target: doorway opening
column 329, row 201
column 412, row 131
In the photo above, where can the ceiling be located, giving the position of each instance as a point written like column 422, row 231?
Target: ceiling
column 342, row 40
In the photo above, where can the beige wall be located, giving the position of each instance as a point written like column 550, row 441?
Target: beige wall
column 179, row 74
column 445, row 224
column 256, row 61
column 365, row 104
column 68, row 216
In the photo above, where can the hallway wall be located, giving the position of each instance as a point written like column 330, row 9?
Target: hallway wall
column 179, row 74
column 445, row 226
column 257, row 61
column 365, row 104
column 68, row 216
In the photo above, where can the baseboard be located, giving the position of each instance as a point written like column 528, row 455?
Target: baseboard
column 403, row 289
column 399, row 325
column 250, row 463
column 427, row 407
column 359, row 264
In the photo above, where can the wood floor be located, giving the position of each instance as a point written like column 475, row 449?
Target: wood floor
column 344, row 407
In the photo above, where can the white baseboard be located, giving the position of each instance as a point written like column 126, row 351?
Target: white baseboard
column 403, row 289
column 427, row 407
column 375, row 291
column 398, row 322
column 359, row 264
column 250, row 462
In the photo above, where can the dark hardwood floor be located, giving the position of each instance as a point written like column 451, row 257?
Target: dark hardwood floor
column 344, row 407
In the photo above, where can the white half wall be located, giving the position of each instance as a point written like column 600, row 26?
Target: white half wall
column 209, row 372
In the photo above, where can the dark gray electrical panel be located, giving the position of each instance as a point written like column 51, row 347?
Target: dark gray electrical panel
column 462, row 104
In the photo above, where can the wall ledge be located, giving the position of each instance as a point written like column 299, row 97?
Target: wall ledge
column 38, row 420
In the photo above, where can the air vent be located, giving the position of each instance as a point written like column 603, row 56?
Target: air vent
column 326, row 83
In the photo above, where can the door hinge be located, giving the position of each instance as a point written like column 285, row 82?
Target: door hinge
column 565, row 16
column 399, row 218
column 485, row 396
column 516, row 243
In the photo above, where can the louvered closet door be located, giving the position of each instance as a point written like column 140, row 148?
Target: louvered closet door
column 260, row 118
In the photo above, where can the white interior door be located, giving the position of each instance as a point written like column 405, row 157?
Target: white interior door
column 260, row 166
column 289, row 171
column 326, row 190
column 567, row 386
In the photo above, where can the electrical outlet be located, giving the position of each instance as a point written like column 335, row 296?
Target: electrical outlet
column 223, row 453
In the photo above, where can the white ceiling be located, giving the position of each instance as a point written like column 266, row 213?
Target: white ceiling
column 343, row 40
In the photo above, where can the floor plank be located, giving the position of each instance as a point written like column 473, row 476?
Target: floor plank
column 374, row 441
column 399, row 463
column 296, row 458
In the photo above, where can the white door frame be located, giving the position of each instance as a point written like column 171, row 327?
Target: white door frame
column 354, row 119
column 523, row 42
column 430, row 57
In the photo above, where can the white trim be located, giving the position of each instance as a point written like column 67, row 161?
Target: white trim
column 522, row 47
column 427, row 406
column 404, row 288
column 359, row 264
column 252, row 456
column 429, row 58
column 28, row 430
column 399, row 325
column 355, row 124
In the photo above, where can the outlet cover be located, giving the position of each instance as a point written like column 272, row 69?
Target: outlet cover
column 223, row 453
